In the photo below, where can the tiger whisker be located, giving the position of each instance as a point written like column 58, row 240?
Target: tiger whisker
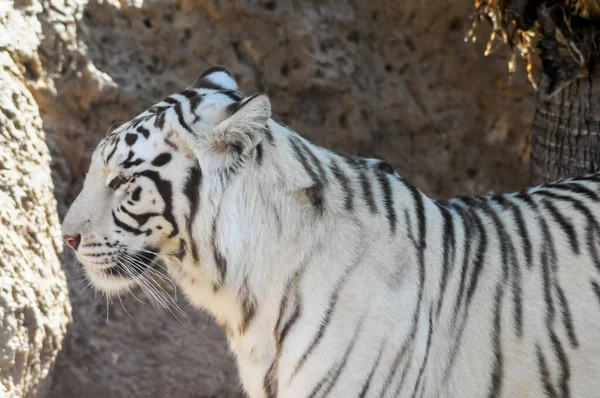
column 123, row 306
column 153, row 271
column 164, row 298
column 136, row 297
column 141, row 283
column 174, row 263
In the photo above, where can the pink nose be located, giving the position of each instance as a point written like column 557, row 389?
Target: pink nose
column 72, row 241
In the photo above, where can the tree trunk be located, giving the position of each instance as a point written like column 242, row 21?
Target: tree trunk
column 566, row 130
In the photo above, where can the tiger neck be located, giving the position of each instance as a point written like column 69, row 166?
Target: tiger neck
column 269, row 225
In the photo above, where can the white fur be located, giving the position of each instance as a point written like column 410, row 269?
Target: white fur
column 269, row 231
column 224, row 80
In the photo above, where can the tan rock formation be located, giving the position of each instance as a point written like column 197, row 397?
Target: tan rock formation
column 34, row 306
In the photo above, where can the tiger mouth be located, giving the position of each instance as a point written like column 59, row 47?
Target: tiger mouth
column 144, row 262
column 118, row 271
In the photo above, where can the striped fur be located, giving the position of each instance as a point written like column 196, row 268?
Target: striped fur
column 333, row 276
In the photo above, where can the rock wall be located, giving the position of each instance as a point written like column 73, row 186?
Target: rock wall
column 34, row 305
column 382, row 78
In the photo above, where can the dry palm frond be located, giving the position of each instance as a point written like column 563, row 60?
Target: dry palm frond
column 564, row 33
column 585, row 8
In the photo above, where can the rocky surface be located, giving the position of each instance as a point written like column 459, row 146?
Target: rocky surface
column 34, row 305
column 393, row 80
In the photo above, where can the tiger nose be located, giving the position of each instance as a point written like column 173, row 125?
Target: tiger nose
column 72, row 241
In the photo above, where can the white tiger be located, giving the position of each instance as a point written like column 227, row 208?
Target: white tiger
column 330, row 274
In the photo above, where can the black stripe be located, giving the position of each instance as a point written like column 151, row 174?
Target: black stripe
column 194, row 104
column 128, row 162
column 232, row 94
column 165, row 190
column 270, row 382
column 467, row 218
column 98, row 254
column 136, row 194
column 426, row 358
column 367, row 383
column 136, row 122
column 237, row 146
column 545, row 374
column 248, row 307
column 420, row 244
column 549, row 269
column 159, row 122
column 170, row 100
column 339, row 367
column 397, row 360
column 189, row 94
column 385, row 167
column 280, row 333
column 112, row 129
column 333, row 300
column 508, row 259
column 157, row 109
column 359, row 167
column 344, row 183
column 170, row 143
column 315, row 161
column 237, row 105
column 130, row 139
column 133, row 163
column 180, row 254
column 596, row 289
column 382, row 175
column 593, row 227
column 479, row 260
column 179, row 112
column 320, row 384
column 220, row 260
column 125, row 227
column 471, row 221
column 579, row 189
column 407, row 366
column 498, row 366
column 269, row 135
column 590, row 177
column 192, row 192
column 208, row 84
column 526, row 197
column 161, row 159
column 141, row 219
column 420, row 209
column 259, row 153
column 116, row 182
column 566, row 316
column 110, row 155
column 315, row 192
column 523, row 231
column 565, row 225
column 143, row 131
column 449, row 254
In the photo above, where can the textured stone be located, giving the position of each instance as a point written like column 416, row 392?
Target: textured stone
column 34, row 306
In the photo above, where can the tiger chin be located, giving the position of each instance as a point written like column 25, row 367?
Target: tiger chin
column 332, row 275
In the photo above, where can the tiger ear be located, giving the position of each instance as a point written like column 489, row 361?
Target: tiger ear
column 216, row 78
column 243, row 126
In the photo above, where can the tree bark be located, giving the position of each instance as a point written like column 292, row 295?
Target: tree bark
column 566, row 130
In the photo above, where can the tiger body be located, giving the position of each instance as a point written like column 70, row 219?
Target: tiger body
column 331, row 275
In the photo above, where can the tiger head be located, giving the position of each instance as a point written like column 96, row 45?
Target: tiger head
column 142, row 192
